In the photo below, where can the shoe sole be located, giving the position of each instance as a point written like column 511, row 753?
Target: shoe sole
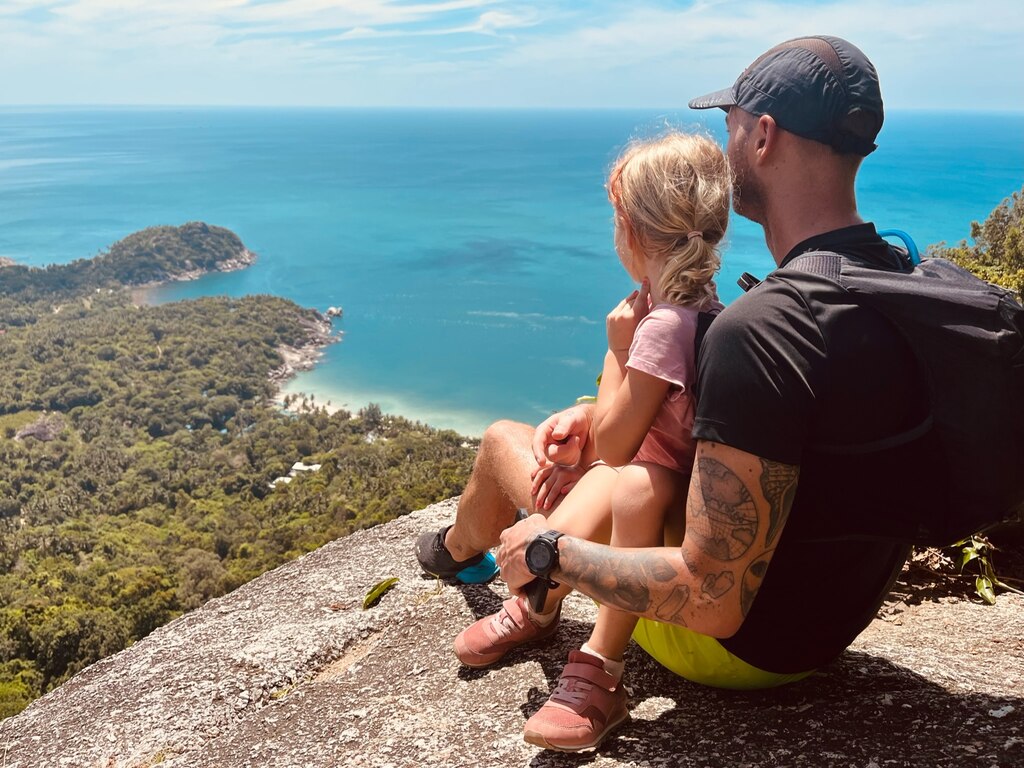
column 538, row 740
column 471, row 574
column 480, row 662
column 480, row 665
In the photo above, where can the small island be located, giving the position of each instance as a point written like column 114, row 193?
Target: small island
column 139, row 445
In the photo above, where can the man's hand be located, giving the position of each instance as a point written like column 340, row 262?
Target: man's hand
column 562, row 437
column 622, row 321
column 551, row 482
column 511, row 555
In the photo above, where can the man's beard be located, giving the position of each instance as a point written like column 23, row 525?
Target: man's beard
column 748, row 199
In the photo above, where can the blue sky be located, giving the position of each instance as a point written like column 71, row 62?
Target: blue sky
column 939, row 54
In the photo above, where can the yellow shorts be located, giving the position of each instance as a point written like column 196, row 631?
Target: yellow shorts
column 702, row 659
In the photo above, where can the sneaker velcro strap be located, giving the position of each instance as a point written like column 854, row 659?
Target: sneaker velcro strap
column 595, row 675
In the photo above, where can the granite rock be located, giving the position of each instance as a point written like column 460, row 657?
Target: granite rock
column 289, row 670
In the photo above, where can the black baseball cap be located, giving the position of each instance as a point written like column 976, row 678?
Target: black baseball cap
column 822, row 88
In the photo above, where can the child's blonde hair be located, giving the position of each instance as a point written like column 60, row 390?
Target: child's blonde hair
column 664, row 190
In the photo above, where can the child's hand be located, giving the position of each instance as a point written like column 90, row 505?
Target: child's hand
column 560, row 438
column 623, row 320
column 551, row 482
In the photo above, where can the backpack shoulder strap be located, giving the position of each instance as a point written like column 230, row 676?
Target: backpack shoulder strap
column 827, row 264
column 704, row 320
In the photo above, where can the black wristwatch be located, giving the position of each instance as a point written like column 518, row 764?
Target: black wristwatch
column 542, row 555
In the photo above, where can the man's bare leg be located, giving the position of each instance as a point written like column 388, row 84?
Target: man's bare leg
column 499, row 485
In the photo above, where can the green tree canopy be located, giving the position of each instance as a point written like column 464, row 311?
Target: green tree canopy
column 997, row 254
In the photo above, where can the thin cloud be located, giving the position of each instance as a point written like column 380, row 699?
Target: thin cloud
column 926, row 51
column 485, row 52
column 288, row 16
column 490, row 23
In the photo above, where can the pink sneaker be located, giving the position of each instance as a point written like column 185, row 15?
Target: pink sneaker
column 487, row 640
column 585, row 706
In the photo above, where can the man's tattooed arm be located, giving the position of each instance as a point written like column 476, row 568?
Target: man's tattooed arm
column 736, row 509
column 623, row 578
column 778, row 484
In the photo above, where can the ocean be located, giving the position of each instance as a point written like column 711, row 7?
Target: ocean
column 471, row 251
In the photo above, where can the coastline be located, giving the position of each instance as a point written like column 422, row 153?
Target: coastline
column 304, row 357
column 140, row 292
column 350, row 396
column 319, row 335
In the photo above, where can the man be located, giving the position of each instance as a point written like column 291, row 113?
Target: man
column 800, row 391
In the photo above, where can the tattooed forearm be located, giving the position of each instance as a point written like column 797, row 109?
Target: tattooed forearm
column 607, row 578
column 622, row 580
column 778, row 483
column 653, row 582
column 722, row 517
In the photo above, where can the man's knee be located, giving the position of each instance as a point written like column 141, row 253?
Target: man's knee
column 501, row 433
column 503, row 439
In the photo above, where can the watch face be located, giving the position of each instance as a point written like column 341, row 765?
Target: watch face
column 540, row 556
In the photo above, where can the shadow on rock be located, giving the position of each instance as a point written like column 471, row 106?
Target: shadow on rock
column 862, row 710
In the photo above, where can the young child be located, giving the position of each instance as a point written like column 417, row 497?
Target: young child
column 671, row 201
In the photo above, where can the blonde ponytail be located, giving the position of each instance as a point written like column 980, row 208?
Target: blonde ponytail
column 689, row 274
column 673, row 194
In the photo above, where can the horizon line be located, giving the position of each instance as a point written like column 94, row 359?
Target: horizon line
column 444, row 108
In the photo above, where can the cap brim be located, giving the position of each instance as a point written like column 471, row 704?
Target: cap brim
column 723, row 98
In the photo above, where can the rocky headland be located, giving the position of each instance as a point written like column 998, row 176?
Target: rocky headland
column 164, row 254
column 318, row 334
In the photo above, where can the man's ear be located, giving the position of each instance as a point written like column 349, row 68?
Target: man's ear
column 765, row 137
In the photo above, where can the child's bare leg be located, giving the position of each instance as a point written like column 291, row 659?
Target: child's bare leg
column 585, row 513
column 643, row 497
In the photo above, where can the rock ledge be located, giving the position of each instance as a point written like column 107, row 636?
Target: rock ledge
column 289, row 670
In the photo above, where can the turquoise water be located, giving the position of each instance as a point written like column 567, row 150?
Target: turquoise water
column 471, row 251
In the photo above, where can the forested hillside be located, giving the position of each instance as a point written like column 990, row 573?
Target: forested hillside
column 997, row 253
column 137, row 449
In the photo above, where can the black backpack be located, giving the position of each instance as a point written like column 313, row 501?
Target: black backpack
column 968, row 336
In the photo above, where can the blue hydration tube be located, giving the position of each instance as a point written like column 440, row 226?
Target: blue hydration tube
column 915, row 255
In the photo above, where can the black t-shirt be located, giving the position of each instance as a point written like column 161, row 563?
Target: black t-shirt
column 788, row 372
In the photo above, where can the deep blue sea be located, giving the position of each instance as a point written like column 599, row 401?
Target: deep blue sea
column 471, row 251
